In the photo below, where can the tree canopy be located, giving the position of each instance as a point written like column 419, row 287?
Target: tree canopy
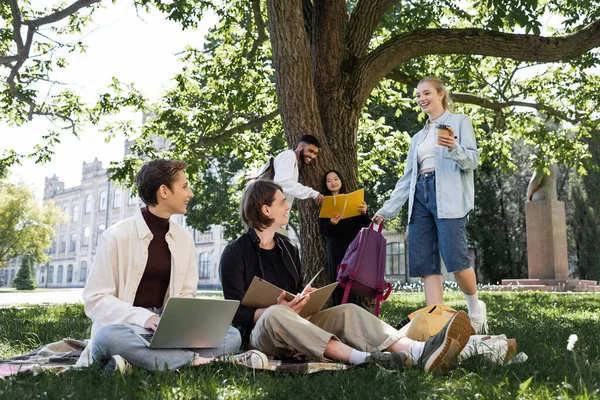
column 25, row 226
column 344, row 71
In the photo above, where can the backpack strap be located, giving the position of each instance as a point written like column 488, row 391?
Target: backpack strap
column 380, row 229
column 381, row 296
column 341, row 281
column 377, row 303
column 387, row 292
column 348, row 286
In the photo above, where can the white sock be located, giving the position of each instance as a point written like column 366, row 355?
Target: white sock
column 473, row 304
column 415, row 351
column 357, row 357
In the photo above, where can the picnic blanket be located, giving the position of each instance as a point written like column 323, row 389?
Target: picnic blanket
column 62, row 355
column 57, row 356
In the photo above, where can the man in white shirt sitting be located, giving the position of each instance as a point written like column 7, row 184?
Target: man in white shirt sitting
column 140, row 262
column 287, row 170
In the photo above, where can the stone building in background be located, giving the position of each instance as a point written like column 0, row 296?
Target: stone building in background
column 98, row 203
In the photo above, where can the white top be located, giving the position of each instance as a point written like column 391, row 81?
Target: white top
column 426, row 150
column 286, row 176
column 120, row 261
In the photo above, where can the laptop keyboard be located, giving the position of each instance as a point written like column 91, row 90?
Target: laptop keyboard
column 147, row 336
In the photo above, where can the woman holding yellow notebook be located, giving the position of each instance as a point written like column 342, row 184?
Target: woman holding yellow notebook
column 340, row 232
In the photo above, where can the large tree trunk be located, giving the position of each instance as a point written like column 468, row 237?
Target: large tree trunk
column 311, row 95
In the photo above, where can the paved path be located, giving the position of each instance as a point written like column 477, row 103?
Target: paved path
column 55, row 296
column 61, row 296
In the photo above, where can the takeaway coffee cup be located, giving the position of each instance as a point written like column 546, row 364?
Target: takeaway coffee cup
column 441, row 129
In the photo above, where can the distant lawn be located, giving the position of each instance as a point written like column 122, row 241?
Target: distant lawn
column 541, row 323
column 36, row 290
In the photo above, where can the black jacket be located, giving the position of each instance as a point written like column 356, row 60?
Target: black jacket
column 240, row 263
column 340, row 236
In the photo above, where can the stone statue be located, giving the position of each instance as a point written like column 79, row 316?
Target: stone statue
column 542, row 186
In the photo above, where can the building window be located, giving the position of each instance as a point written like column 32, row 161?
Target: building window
column 89, row 203
column 59, row 274
column 63, row 243
column 132, row 199
column 69, row 273
column 395, row 266
column 73, row 243
column 75, row 213
column 86, row 236
column 117, row 198
column 42, row 274
column 51, row 274
column 12, row 275
column 102, row 206
column 83, row 271
column 53, row 248
column 204, row 266
column 66, row 211
column 101, row 229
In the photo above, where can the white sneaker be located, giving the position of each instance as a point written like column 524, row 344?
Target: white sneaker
column 250, row 358
column 117, row 363
column 480, row 323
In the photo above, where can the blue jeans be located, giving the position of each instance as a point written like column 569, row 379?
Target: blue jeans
column 121, row 340
column 428, row 235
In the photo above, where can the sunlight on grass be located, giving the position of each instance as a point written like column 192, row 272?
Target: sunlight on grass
column 541, row 323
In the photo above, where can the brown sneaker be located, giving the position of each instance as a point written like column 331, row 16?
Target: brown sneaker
column 440, row 350
column 511, row 350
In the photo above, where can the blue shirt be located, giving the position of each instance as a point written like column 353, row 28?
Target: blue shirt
column 454, row 183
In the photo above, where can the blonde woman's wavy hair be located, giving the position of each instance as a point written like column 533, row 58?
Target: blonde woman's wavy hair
column 439, row 87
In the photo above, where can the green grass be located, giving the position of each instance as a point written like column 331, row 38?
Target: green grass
column 36, row 290
column 541, row 323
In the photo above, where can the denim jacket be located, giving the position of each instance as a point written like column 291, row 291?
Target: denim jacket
column 454, row 184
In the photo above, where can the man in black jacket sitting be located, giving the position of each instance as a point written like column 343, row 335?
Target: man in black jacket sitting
column 345, row 333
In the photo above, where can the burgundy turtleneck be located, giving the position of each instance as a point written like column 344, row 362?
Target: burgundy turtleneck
column 155, row 281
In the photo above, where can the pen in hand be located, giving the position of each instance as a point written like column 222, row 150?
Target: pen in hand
column 309, row 283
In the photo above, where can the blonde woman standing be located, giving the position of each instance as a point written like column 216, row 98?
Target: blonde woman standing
column 438, row 184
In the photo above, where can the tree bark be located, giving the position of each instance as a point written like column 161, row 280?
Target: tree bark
column 299, row 111
column 324, row 77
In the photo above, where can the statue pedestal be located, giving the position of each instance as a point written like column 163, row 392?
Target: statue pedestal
column 546, row 240
column 547, row 252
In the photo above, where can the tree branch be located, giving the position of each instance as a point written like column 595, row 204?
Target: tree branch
column 261, row 28
column 227, row 133
column 15, row 62
column 424, row 42
column 363, row 21
column 497, row 106
column 494, row 105
column 16, row 14
column 60, row 14
column 403, row 78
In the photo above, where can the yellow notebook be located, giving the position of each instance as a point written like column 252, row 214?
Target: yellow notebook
column 344, row 204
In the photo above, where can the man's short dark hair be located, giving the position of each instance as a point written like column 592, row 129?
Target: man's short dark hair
column 153, row 175
column 310, row 139
column 258, row 194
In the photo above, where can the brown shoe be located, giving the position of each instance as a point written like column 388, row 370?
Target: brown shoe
column 441, row 350
column 511, row 350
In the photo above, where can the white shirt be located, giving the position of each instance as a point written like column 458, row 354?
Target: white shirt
column 426, row 150
column 120, row 261
column 286, row 176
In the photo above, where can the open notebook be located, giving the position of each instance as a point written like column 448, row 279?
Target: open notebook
column 262, row 294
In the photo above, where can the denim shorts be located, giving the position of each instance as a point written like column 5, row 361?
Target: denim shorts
column 430, row 237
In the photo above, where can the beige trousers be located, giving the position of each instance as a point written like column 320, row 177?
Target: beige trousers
column 282, row 333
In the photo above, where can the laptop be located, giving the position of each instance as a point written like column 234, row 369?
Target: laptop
column 190, row 323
